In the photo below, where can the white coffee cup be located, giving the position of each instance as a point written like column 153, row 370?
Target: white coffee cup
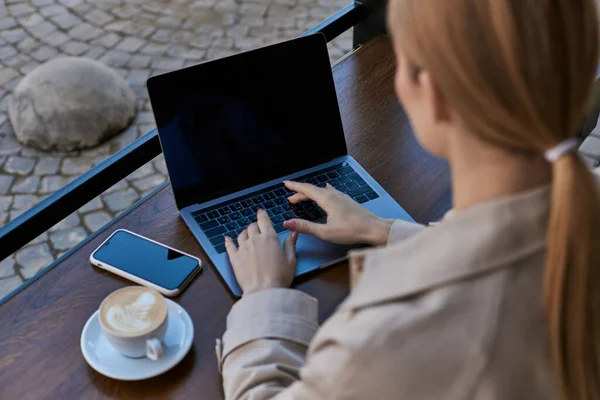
column 134, row 320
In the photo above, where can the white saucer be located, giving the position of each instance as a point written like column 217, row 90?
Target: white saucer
column 101, row 356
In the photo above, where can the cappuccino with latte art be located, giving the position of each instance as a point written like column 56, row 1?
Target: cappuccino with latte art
column 133, row 311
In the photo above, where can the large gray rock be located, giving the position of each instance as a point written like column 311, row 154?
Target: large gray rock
column 70, row 103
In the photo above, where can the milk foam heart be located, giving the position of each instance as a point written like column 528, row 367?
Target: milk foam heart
column 132, row 317
column 133, row 311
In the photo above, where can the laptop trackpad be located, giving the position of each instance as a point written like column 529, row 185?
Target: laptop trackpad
column 313, row 253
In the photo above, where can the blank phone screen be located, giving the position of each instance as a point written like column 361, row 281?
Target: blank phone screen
column 147, row 260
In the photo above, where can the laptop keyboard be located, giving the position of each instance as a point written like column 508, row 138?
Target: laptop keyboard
column 231, row 217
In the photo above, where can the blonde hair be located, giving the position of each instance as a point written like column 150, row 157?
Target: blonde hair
column 520, row 73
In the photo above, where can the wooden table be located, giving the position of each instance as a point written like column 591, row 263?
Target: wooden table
column 40, row 326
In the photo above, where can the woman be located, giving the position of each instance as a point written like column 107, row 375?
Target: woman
column 500, row 300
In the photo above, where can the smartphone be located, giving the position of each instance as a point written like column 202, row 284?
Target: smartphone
column 146, row 262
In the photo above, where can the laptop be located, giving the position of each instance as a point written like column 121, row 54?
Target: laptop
column 233, row 129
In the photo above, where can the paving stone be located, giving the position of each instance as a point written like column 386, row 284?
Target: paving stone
column 82, row 9
column 5, row 202
column 74, row 3
column 74, row 48
column 195, row 55
column 142, row 172
column 30, row 66
column 33, row 259
column 44, row 54
column 39, row 3
column 178, row 51
column 30, row 20
column 138, row 76
column 13, row 35
column 7, row 23
column 120, row 200
column 42, row 29
column 162, row 35
column 116, row 58
column 99, row 17
column 139, row 61
column 19, row 165
column 282, row 22
column 253, row 22
column 7, row 267
column 215, row 54
column 107, row 40
column 148, row 182
column 5, row 182
column 244, row 43
column 222, row 43
column 40, row 239
column 119, row 26
column 7, row 74
column 56, row 39
column 126, row 11
column 51, row 184
column 47, row 166
column 26, row 185
column 13, row 83
column 95, row 52
column 7, row 51
column 8, row 285
column 75, row 166
column 71, row 221
column 167, row 64
column 125, row 138
column 84, row 32
column 131, row 44
column 143, row 32
column 255, row 10
column 24, row 201
column 117, row 186
column 93, row 205
column 54, row 9
column 15, row 213
column 152, row 48
column 20, row 9
column 226, row 5
column 66, row 20
column 15, row 62
column 238, row 31
column 169, row 21
column 27, row 45
column 67, row 239
column 96, row 220
column 8, row 146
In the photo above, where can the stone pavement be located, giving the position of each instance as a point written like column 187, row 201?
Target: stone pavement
column 138, row 38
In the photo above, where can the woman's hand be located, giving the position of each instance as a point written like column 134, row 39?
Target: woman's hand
column 347, row 221
column 260, row 262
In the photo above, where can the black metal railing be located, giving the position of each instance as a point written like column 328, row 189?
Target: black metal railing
column 74, row 195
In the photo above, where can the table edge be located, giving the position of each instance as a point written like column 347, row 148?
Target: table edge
column 51, row 266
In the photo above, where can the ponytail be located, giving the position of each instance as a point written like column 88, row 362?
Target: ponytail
column 572, row 279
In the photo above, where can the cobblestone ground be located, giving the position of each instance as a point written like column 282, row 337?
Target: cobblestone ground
column 138, row 38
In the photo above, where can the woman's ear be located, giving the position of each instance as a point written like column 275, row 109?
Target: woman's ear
column 440, row 111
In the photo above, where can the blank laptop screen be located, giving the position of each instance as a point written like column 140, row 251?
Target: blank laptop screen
column 233, row 123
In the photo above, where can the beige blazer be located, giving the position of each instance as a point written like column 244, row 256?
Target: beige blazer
column 452, row 311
